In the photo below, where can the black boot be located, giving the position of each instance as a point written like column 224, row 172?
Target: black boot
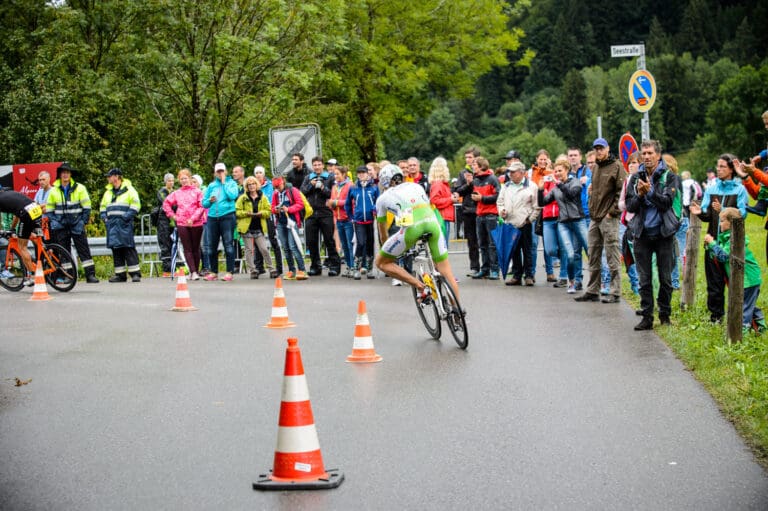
column 90, row 275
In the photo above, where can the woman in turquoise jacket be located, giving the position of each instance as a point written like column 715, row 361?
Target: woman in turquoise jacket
column 219, row 199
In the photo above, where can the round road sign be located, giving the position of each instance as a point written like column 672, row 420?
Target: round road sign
column 642, row 90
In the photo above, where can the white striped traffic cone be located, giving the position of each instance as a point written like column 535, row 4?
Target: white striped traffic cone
column 183, row 301
column 279, row 317
column 298, row 463
column 40, row 291
column 362, row 346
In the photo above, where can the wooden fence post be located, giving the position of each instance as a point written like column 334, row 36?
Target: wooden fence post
column 692, row 246
column 736, row 280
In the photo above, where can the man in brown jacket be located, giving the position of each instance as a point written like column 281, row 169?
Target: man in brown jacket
column 607, row 182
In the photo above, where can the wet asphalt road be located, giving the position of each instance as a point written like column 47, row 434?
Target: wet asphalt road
column 555, row 405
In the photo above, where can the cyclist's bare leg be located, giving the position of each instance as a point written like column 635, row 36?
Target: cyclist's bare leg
column 26, row 257
column 444, row 267
column 390, row 267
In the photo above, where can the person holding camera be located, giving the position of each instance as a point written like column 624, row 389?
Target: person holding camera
column 653, row 195
column 317, row 188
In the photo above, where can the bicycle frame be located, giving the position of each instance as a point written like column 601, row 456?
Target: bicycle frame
column 429, row 274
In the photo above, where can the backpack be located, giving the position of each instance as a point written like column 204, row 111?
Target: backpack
column 308, row 210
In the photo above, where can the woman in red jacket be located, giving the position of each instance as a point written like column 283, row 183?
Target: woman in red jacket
column 440, row 195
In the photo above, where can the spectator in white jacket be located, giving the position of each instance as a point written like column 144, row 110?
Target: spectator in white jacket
column 518, row 205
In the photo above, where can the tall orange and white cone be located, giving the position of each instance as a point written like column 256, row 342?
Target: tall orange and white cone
column 279, row 317
column 362, row 346
column 298, row 463
column 183, row 301
column 40, row 291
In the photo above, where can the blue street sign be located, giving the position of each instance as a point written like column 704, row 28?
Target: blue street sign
column 642, row 90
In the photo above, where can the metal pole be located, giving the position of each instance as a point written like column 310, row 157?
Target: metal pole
column 599, row 127
column 645, row 123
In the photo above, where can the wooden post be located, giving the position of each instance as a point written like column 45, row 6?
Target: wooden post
column 692, row 246
column 736, row 280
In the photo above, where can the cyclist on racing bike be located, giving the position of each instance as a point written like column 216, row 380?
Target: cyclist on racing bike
column 29, row 214
column 415, row 216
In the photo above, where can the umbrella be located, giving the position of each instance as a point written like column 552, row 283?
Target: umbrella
column 295, row 233
column 505, row 236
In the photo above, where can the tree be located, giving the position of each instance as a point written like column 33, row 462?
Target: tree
column 402, row 57
column 218, row 73
column 574, row 101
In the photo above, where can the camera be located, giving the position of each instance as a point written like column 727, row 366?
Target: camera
column 318, row 183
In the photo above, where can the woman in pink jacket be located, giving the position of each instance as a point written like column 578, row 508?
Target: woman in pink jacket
column 440, row 194
column 186, row 208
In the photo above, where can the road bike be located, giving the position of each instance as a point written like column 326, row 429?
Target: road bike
column 58, row 266
column 442, row 304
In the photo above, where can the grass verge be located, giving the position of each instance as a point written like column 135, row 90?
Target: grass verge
column 735, row 374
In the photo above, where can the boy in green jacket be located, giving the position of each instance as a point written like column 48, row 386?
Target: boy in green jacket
column 752, row 317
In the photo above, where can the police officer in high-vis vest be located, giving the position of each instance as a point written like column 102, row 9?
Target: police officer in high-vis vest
column 68, row 210
column 119, row 206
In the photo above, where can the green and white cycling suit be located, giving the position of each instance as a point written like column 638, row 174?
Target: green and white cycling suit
column 415, row 216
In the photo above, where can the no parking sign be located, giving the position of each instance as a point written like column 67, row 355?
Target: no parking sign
column 627, row 146
column 642, row 90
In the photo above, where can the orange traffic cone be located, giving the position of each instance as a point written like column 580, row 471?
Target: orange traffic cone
column 40, row 291
column 183, row 302
column 298, row 463
column 279, row 317
column 362, row 346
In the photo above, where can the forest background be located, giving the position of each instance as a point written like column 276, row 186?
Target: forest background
column 157, row 85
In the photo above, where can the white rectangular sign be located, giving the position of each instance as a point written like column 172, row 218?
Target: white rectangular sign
column 627, row 50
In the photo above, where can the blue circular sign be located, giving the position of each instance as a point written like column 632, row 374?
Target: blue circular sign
column 642, row 90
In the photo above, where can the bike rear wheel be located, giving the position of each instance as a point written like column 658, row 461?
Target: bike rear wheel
column 59, row 268
column 16, row 267
column 457, row 323
column 429, row 315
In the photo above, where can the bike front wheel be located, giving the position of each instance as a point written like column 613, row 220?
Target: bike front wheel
column 16, row 272
column 429, row 315
column 59, row 268
column 457, row 323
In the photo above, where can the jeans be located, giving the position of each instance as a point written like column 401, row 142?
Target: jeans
column 346, row 234
column 548, row 266
column 680, row 236
column 553, row 248
column 293, row 255
column 751, row 312
column 573, row 238
column 485, row 224
column 221, row 227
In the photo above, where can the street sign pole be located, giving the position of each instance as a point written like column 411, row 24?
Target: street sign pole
column 645, row 124
column 635, row 50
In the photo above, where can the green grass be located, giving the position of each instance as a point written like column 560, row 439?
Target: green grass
column 736, row 374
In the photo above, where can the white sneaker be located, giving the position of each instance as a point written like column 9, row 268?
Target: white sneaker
column 5, row 274
column 571, row 289
column 194, row 276
column 396, row 282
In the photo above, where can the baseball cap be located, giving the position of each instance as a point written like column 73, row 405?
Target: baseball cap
column 114, row 172
column 512, row 154
column 332, row 161
column 219, row 166
column 277, row 181
column 361, row 168
column 600, row 142
column 258, row 169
